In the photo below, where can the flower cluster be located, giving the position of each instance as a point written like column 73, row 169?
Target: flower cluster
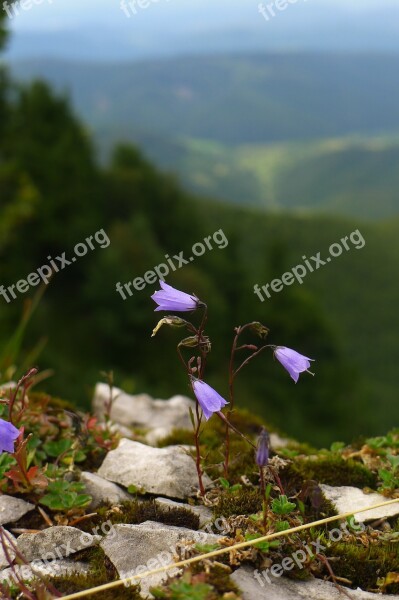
column 168, row 298
column 209, row 401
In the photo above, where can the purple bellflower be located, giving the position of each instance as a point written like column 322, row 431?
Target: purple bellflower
column 292, row 361
column 208, row 398
column 170, row 299
column 8, row 435
column 262, row 452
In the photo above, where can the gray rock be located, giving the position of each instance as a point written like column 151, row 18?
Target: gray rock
column 289, row 589
column 166, row 471
column 55, row 542
column 165, row 505
column 56, row 568
column 347, row 499
column 142, row 411
column 135, row 549
column 102, row 490
column 3, row 560
column 12, row 509
column 277, row 442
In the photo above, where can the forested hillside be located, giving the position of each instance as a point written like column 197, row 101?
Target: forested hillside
column 54, row 196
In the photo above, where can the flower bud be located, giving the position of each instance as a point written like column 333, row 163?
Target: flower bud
column 262, row 452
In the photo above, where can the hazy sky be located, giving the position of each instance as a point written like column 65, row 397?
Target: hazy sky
column 101, row 30
column 55, row 14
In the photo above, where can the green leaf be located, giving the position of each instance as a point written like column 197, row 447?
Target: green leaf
column 224, row 483
column 82, row 500
column 263, row 546
column 282, row 525
column 187, row 591
column 337, row 446
column 394, row 460
column 56, row 448
column 206, row 547
column 235, row 487
column 282, row 506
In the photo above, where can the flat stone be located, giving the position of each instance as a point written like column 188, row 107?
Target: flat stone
column 56, row 568
column 166, row 471
column 12, row 509
column 346, row 499
column 3, row 560
column 102, row 490
column 54, row 542
column 134, row 549
column 289, row 589
column 205, row 514
column 277, row 442
column 144, row 412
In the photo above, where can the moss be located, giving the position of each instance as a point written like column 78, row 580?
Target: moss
column 242, row 502
column 332, row 470
column 102, row 571
column 364, row 566
column 186, row 586
column 135, row 512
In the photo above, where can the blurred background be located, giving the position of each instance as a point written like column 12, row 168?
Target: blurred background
column 163, row 122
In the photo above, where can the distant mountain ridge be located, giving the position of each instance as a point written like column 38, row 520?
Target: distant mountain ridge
column 285, row 131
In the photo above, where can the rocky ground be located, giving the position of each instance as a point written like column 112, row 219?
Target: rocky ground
column 123, row 499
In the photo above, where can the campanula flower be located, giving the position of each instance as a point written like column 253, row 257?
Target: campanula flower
column 168, row 298
column 8, row 435
column 292, row 361
column 208, row 398
column 262, row 451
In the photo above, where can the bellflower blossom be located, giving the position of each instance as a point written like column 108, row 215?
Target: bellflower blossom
column 292, row 361
column 170, row 299
column 8, row 435
column 208, row 398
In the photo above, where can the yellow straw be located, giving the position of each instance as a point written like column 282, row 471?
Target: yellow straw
column 195, row 559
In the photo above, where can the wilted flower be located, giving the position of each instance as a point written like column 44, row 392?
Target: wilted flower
column 262, row 452
column 8, row 435
column 294, row 362
column 208, row 398
column 171, row 299
column 172, row 321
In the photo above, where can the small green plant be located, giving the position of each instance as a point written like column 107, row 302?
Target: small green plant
column 263, row 546
column 390, row 476
column 65, row 496
column 282, row 506
column 230, row 488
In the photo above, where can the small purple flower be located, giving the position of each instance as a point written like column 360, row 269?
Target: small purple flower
column 208, row 398
column 8, row 435
column 294, row 362
column 262, row 452
column 168, row 298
